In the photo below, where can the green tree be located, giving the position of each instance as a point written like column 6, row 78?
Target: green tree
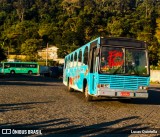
column 72, row 23
column 114, row 27
column 20, row 8
column 30, row 47
column 157, row 34
column 2, row 54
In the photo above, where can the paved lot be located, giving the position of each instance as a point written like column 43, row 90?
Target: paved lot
column 35, row 102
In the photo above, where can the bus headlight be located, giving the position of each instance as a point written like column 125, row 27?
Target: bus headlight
column 108, row 86
column 103, row 85
column 143, row 87
column 146, row 88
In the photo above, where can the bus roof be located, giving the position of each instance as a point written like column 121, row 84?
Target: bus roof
column 22, row 62
column 123, row 41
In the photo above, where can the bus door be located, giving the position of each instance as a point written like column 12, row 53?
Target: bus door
column 18, row 68
column 93, row 70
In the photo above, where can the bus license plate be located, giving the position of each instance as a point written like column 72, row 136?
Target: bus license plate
column 126, row 94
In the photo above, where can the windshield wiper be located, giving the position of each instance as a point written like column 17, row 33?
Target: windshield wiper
column 132, row 71
column 115, row 72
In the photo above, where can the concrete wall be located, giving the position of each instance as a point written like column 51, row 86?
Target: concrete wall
column 155, row 76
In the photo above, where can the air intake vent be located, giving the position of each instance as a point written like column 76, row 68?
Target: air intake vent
column 123, row 82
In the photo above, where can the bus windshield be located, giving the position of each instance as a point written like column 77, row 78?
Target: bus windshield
column 128, row 61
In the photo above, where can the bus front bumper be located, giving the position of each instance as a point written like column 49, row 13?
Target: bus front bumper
column 123, row 93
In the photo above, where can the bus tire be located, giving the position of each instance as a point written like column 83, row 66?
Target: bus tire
column 12, row 72
column 69, row 87
column 87, row 96
column 30, row 72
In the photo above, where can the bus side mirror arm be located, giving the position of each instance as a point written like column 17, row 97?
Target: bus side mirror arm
column 97, row 51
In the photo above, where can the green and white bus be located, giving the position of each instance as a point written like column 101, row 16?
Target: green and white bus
column 19, row 68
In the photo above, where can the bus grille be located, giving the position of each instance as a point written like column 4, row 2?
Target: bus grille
column 123, row 82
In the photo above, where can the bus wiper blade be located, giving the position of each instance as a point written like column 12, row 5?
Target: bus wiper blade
column 115, row 72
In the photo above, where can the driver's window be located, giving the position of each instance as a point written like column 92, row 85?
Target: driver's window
column 112, row 60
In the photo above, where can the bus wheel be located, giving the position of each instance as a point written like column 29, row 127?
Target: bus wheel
column 87, row 96
column 12, row 72
column 69, row 88
column 30, row 72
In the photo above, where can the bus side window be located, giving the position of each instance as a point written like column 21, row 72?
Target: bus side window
column 32, row 65
column 25, row 65
column 12, row 65
column 6, row 65
column 65, row 63
column 18, row 65
column 71, row 64
column 85, row 61
column 9, row 65
column 75, row 59
column 80, row 58
column 68, row 62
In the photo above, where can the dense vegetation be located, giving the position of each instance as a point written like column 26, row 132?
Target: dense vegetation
column 27, row 25
column 2, row 54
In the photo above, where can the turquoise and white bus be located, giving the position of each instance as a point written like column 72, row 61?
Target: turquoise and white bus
column 109, row 67
column 19, row 67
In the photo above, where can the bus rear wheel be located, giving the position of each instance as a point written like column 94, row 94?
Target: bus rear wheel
column 12, row 72
column 30, row 72
column 87, row 96
column 69, row 87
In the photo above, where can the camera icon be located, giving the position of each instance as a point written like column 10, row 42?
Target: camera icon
column 6, row 131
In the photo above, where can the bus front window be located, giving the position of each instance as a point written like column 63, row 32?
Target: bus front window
column 112, row 60
column 136, row 62
column 123, row 61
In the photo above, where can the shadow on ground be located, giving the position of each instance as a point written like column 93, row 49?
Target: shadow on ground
column 19, row 106
column 29, row 80
column 153, row 99
column 63, row 127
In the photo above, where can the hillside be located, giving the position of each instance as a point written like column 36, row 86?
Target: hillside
column 27, row 25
